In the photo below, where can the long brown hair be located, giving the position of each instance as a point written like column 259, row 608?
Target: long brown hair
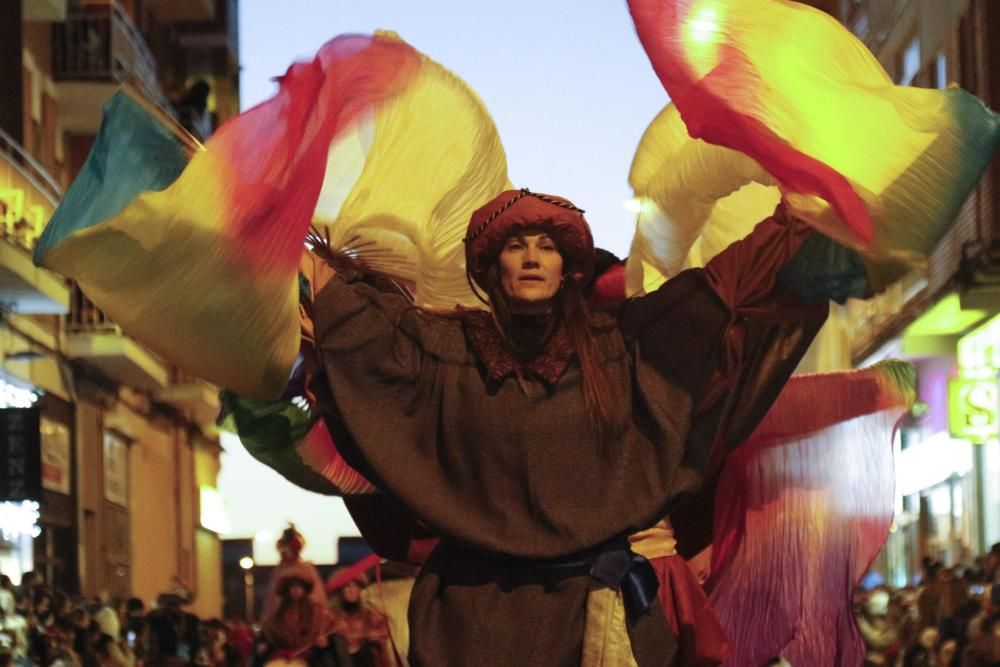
column 571, row 311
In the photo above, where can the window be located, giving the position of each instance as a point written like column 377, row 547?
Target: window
column 910, row 64
column 941, row 71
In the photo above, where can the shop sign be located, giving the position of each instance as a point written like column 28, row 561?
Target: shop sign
column 979, row 351
column 20, row 454
column 56, row 465
column 19, row 518
column 974, row 409
column 115, row 470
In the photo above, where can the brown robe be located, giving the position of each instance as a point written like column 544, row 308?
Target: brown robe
column 509, row 478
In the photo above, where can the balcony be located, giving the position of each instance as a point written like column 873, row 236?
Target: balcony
column 198, row 400
column 95, row 50
column 44, row 10
column 94, row 339
column 175, row 11
column 28, row 197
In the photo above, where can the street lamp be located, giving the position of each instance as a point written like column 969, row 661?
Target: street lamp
column 247, row 564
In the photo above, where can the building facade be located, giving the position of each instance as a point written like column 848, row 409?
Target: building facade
column 112, row 456
column 948, row 476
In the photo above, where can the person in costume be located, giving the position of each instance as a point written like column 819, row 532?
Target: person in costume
column 364, row 629
column 534, row 438
column 299, row 626
column 290, row 546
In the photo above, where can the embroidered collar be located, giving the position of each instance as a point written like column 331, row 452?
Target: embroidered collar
column 547, row 366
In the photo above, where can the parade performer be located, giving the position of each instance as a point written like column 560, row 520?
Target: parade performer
column 364, row 629
column 298, row 626
column 290, row 546
column 534, row 437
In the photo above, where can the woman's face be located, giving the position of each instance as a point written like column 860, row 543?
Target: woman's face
column 351, row 593
column 531, row 272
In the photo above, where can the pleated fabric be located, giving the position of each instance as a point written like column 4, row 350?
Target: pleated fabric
column 806, row 111
column 802, row 509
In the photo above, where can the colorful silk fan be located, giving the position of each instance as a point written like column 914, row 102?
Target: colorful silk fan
column 204, row 271
column 418, row 168
column 294, row 441
column 802, row 509
column 805, row 109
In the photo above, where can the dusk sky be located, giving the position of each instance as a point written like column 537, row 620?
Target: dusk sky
column 571, row 92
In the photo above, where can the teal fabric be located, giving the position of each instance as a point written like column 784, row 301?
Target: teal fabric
column 133, row 153
column 823, row 270
column 270, row 431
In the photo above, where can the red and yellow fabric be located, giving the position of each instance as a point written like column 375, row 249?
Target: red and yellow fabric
column 801, row 511
column 793, row 104
column 383, row 151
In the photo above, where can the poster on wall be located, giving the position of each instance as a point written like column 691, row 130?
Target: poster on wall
column 56, row 464
column 20, row 455
column 115, row 469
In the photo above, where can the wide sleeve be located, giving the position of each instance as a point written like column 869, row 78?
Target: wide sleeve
column 380, row 358
column 730, row 336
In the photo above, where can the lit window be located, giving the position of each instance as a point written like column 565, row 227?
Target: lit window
column 911, row 63
column 941, row 71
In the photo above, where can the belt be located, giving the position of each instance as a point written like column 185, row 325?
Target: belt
column 615, row 565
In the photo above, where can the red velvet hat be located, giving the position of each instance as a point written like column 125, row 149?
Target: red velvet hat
column 515, row 210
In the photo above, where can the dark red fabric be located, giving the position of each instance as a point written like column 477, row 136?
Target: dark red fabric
column 609, row 287
column 701, row 640
column 547, row 366
column 567, row 226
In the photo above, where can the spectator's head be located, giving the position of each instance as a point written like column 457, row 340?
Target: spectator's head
column 79, row 618
column 928, row 638
column 134, row 607
column 102, row 647
column 877, row 603
column 294, row 588
column 992, row 565
column 62, row 605
column 947, row 651
column 291, row 543
column 175, row 598
column 6, row 583
column 42, row 601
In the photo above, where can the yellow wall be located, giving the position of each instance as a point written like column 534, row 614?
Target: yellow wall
column 152, row 509
column 208, row 547
column 208, row 602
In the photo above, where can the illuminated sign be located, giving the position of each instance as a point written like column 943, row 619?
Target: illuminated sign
column 12, row 396
column 20, row 454
column 213, row 510
column 974, row 398
column 974, row 409
column 19, row 518
column 979, row 351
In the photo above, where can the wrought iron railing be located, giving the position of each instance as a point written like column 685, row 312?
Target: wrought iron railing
column 102, row 43
column 28, row 194
column 85, row 317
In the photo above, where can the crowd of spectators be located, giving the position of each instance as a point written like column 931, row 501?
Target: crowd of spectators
column 40, row 625
column 950, row 619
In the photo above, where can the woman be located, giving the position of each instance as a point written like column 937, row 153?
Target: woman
column 299, row 624
column 534, row 438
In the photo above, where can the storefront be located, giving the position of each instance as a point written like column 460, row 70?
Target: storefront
column 975, row 417
column 20, row 478
column 947, row 454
